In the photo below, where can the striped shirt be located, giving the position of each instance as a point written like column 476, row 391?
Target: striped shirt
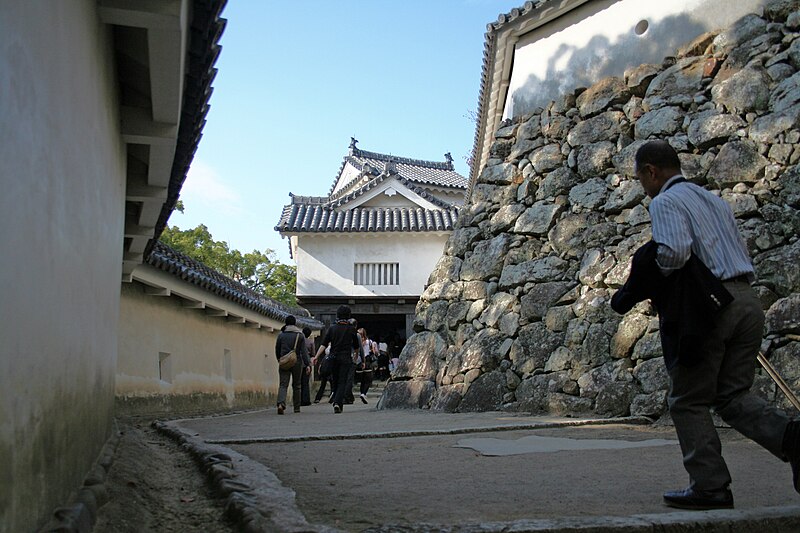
column 687, row 218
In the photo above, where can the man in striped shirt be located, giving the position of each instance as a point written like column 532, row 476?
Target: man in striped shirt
column 688, row 219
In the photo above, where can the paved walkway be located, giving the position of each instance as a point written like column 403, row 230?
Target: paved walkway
column 369, row 470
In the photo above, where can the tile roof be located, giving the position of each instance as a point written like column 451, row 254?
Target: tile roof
column 328, row 214
column 437, row 173
column 203, row 49
column 192, row 271
column 323, row 219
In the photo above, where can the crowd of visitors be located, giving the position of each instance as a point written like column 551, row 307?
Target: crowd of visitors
column 347, row 355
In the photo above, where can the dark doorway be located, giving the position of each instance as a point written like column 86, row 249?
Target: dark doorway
column 383, row 327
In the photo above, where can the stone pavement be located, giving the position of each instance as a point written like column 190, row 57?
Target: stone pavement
column 414, row 471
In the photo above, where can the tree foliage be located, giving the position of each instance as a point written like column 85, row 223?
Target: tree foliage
column 260, row 271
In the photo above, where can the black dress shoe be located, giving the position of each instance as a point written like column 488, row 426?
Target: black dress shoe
column 699, row 500
column 791, row 449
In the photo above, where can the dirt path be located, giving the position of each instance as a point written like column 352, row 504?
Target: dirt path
column 155, row 486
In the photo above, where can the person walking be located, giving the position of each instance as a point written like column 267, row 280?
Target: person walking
column 343, row 342
column 324, row 379
column 291, row 338
column 698, row 273
column 367, row 354
column 305, row 385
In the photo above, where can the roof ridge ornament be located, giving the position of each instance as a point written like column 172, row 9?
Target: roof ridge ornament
column 449, row 158
column 352, row 148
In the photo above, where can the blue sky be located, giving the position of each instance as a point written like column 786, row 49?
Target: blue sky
column 297, row 79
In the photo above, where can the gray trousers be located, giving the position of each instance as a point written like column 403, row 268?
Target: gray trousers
column 294, row 374
column 722, row 380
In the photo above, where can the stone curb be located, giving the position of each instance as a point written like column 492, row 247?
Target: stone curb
column 254, row 497
column 80, row 515
column 772, row 519
column 635, row 420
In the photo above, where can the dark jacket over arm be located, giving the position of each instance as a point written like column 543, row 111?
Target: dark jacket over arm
column 687, row 301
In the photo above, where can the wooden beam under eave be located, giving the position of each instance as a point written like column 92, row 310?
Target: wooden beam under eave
column 193, row 304
column 156, row 291
column 137, row 189
column 138, row 127
column 150, row 14
column 252, row 325
column 233, row 319
column 211, row 311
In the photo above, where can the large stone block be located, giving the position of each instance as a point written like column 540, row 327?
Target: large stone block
column 447, row 398
column 615, row 399
column 541, row 297
column 485, row 393
column 652, row 375
column 558, row 182
column 603, row 94
column 745, row 91
column 676, row 85
column 502, row 174
column 486, row 259
column 550, row 268
column 632, row 327
column 778, row 269
column 533, row 347
column 779, row 10
column 420, row 356
column 481, row 351
column 604, row 127
column 784, row 315
column 658, row 123
column 538, row 219
column 627, row 194
column 737, row 162
column 590, row 194
column 740, row 32
column 547, row 158
column 595, row 159
column 710, row 128
column 407, row 395
column 767, row 128
column 652, row 405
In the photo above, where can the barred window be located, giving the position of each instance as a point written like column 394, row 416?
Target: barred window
column 376, row 273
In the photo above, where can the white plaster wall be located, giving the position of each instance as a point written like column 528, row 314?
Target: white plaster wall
column 61, row 225
column 597, row 40
column 325, row 262
column 196, row 343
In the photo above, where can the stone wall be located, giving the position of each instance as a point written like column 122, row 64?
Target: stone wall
column 516, row 315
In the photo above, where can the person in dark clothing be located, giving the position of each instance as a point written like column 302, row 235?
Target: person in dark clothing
column 291, row 338
column 305, row 385
column 324, row 379
column 343, row 341
column 687, row 222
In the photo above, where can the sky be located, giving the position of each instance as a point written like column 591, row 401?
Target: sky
column 296, row 80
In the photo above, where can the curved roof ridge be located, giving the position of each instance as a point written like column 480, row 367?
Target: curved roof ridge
column 438, row 165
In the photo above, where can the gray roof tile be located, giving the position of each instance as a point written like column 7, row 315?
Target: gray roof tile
column 323, row 219
column 192, row 271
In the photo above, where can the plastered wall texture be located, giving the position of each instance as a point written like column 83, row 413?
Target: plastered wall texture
column 516, row 314
column 196, row 344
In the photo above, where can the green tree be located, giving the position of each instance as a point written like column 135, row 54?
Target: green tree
column 260, row 271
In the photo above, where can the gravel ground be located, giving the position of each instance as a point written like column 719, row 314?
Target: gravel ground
column 153, row 485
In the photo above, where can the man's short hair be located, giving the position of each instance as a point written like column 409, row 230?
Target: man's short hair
column 659, row 154
column 306, row 331
column 343, row 312
column 290, row 320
